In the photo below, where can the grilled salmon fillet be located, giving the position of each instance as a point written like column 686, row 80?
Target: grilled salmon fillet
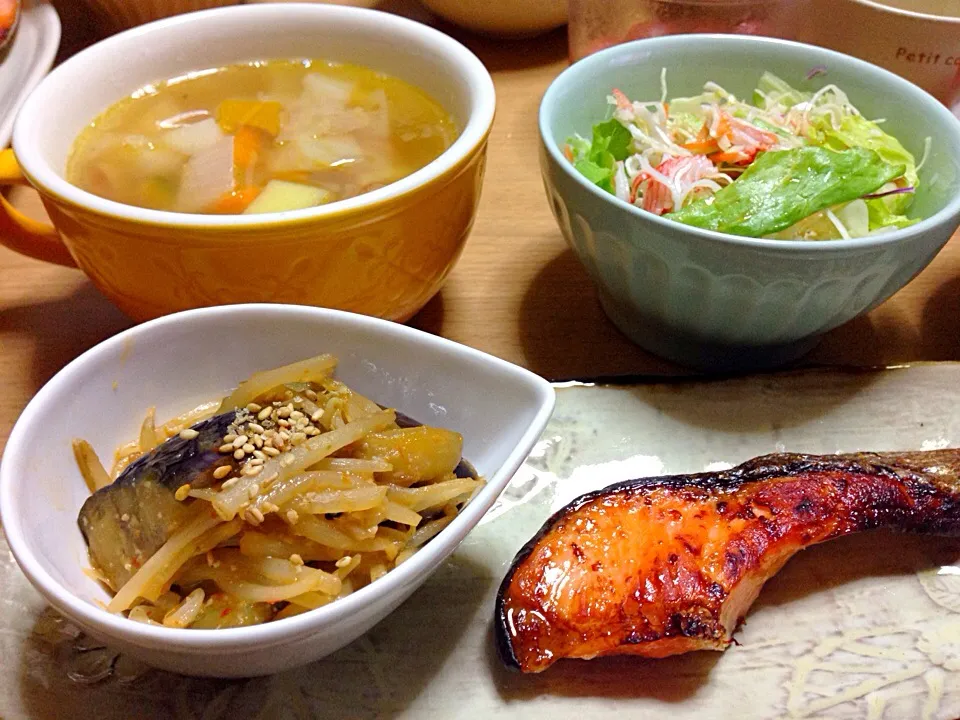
column 666, row 565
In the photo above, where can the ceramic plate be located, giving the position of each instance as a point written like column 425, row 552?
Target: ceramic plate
column 862, row 627
column 27, row 60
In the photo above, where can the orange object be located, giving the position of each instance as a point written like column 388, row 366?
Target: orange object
column 635, row 186
column 9, row 13
column 702, row 147
column 703, row 143
column 386, row 258
column 248, row 141
column 662, row 566
column 265, row 115
column 734, row 157
column 623, row 102
column 235, row 201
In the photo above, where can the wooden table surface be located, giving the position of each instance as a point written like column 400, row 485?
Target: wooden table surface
column 517, row 292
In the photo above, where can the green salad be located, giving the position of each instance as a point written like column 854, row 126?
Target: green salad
column 788, row 165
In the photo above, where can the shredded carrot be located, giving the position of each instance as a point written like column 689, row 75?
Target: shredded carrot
column 703, row 143
column 702, row 147
column 234, row 202
column 723, row 126
column 735, row 157
column 568, row 152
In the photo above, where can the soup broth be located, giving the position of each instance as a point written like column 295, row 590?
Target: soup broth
column 259, row 137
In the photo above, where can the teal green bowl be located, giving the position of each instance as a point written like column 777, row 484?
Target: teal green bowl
column 716, row 301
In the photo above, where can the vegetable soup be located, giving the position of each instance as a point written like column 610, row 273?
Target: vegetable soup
column 259, row 137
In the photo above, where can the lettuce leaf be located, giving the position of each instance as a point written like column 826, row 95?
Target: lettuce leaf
column 782, row 187
column 856, row 131
column 596, row 159
column 882, row 216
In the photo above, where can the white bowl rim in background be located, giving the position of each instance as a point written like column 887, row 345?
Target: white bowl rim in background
column 239, row 640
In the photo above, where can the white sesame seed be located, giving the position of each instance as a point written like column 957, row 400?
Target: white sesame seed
column 265, row 413
column 297, row 415
column 316, row 416
column 253, row 462
column 310, row 394
column 248, row 448
column 125, row 517
column 254, row 427
column 253, row 408
column 253, row 491
column 229, row 438
column 271, row 451
column 284, row 412
column 344, row 561
column 257, row 514
column 226, row 447
column 238, row 454
column 182, row 492
column 249, row 470
column 188, row 434
column 296, row 559
column 227, row 484
column 240, row 442
column 269, row 507
column 221, row 472
column 259, row 455
column 292, row 517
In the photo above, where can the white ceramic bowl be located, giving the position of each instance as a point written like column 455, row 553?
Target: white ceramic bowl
column 177, row 362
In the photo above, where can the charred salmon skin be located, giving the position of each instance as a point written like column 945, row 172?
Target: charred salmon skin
column 666, row 565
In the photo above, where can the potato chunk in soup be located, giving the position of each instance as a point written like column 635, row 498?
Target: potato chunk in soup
column 295, row 133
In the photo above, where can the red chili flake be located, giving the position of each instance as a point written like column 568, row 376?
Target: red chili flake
column 135, row 562
column 224, row 612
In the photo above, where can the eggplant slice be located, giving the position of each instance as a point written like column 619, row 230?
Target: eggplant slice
column 126, row 522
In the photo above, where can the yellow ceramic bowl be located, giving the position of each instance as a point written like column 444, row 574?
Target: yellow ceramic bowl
column 385, row 253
